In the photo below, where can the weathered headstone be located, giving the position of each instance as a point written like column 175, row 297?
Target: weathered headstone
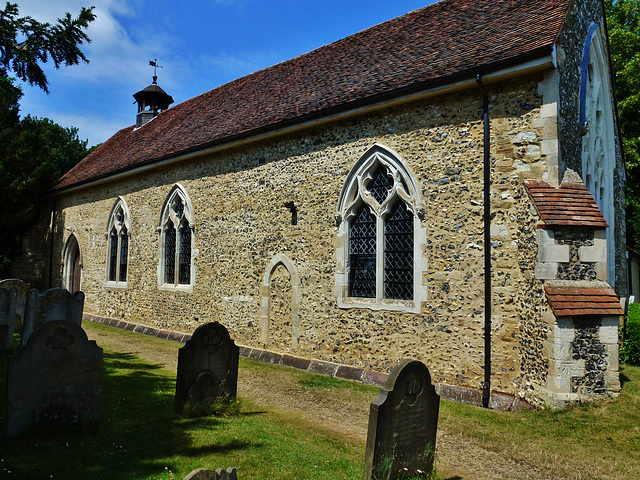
column 21, row 299
column 55, row 381
column 48, row 306
column 218, row 474
column 207, row 368
column 403, row 421
column 8, row 301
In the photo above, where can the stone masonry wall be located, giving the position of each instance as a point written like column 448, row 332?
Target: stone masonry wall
column 241, row 224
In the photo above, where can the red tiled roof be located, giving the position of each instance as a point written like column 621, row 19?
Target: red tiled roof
column 421, row 48
column 578, row 301
column 570, row 205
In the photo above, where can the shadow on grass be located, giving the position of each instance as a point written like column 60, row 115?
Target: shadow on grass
column 623, row 379
column 138, row 434
column 216, row 449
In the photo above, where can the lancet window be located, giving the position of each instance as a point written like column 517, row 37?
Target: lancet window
column 118, row 234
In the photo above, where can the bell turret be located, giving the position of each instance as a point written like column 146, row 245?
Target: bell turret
column 151, row 101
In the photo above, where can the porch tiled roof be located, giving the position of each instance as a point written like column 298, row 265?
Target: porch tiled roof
column 570, row 205
column 580, row 301
column 436, row 44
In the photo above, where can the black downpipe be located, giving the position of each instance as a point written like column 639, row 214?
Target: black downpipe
column 486, row 388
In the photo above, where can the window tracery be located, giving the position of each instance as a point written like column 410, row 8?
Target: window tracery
column 379, row 215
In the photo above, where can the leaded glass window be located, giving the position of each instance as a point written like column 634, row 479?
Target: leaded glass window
column 124, row 253
column 177, row 240
column 170, row 254
column 185, row 254
column 362, row 253
column 118, row 244
column 113, row 257
column 397, row 236
column 398, row 253
column 380, row 234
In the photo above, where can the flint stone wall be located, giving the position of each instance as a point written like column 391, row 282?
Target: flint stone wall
column 244, row 224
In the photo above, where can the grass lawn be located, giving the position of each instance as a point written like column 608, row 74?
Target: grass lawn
column 140, row 437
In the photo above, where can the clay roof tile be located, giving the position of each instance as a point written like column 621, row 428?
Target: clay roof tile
column 425, row 47
column 579, row 301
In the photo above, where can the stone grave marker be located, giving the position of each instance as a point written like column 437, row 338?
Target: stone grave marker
column 55, row 381
column 51, row 305
column 8, row 301
column 218, row 474
column 403, row 421
column 207, row 368
column 23, row 291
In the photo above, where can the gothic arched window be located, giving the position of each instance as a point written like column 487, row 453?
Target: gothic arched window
column 176, row 241
column 118, row 234
column 380, row 262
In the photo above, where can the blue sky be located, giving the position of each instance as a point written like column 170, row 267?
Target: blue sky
column 201, row 44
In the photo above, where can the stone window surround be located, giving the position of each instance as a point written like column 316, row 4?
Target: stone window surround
column 166, row 214
column 348, row 203
column 69, row 255
column 120, row 204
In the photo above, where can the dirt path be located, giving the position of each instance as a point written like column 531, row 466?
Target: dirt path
column 458, row 457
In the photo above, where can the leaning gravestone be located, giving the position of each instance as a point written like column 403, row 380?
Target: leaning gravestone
column 218, row 474
column 21, row 299
column 51, row 305
column 7, row 318
column 207, row 368
column 55, row 381
column 403, row 421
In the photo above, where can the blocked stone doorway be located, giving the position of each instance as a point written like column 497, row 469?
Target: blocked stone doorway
column 280, row 305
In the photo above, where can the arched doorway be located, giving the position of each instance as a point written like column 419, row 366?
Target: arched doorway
column 72, row 272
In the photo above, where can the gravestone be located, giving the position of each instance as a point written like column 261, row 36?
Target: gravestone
column 218, row 474
column 55, row 381
column 8, row 301
column 23, row 291
column 403, row 421
column 48, row 306
column 207, row 368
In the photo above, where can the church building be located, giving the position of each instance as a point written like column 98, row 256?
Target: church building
column 446, row 186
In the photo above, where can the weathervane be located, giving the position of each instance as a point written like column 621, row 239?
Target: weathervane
column 154, row 64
